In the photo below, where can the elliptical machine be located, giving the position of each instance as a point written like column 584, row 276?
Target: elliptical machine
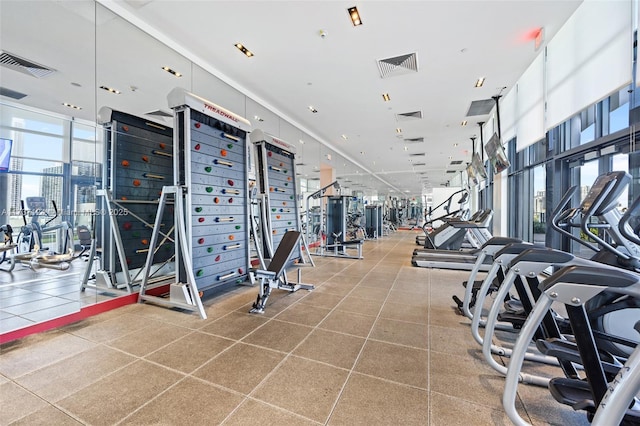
column 31, row 233
column 7, row 246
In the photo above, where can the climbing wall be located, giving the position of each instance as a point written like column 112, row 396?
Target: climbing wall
column 275, row 170
column 213, row 164
column 139, row 163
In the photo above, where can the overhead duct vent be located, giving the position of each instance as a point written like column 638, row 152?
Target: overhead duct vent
column 405, row 116
column 481, row 107
column 24, row 66
column 418, row 154
column 398, row 65
column 419, row 164
column 451, row 171
column 414, row 140
column 159, row 113
column 11, row 93
column 456, row 162
column 300, row 164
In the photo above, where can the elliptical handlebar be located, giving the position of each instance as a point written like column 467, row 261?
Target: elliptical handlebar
column 629, row 232
column 55, row 210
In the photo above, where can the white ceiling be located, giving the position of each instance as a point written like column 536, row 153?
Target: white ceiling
column 294, row 67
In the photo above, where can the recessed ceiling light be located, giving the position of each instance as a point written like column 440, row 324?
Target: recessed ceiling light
column 386, row 97
column 406, row 148
column 71, row 106
column 398, row 130
column 355, row 16
column 244, row 50
column 301, row 142
column 480, row 82
column 344, row 137
column 463, row 123
column 170, row 71
column 258, row 118
column 455, row 145
column 110, row 89
column 312, row 109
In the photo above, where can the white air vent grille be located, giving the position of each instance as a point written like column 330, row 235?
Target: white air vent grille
column 456, row 162
column 419, row 164
column 451, row 171
column 418, row 154
column 398, row 65
column 24, row 66
column 11, row 93
column 405, row 116
column 481, row 107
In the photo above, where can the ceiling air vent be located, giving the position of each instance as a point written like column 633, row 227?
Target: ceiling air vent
column 451, row 171
column 24, row 66
column 159, row 113
column 300, row 164
column 419, row 164
column 414, row 140
column 11, row 93
column 481, row 107
column 456, row 162
column 405, row 116
column 398, row 65
column 418, row 154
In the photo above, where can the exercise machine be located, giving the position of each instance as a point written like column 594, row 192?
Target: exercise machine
column 7, row 247
column 275, row 275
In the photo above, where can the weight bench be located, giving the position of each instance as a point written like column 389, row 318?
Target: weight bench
column 339, row 249
column 274, row 276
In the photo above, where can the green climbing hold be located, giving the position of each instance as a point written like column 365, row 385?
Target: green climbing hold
column 199, row 273
column 230, row 145
column 198, row 209
column 207, row 169
column 238, row 227
column 209, row 249
column 209, row 189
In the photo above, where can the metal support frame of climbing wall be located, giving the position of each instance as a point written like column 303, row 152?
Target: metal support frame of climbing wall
column 277, row 186
column 210, row 159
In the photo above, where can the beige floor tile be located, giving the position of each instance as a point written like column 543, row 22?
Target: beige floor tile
column 336, row 349
column 397, row 363
column 110, row 329
column 251, row 412
column 370, row 293
column 303, row 314
column 47, row 416
column 190, row 352
column 109, row 400
column 347, row 322
column 370, row 401
column 33, row 352
column 148, row 339
column 235, row 325
column 160, row 313
column 408, row 298
column 465, row 378
column 413, row 286
column 322, row 300
column 339, row 289
column 360, row 306
column 408, row 313
column 190, row 402
column 17, row 403
column 402, row 333
column 240, row 368
column 449, row 317
column 303, row 386
column 375, row 282
column 278, row 335
column 454, row 341
column 74, row 373
column 451, row 411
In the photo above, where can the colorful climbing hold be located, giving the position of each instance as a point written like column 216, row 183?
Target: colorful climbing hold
column 200, row 273
column 197, row 125
column 230, row 182
column 145, row 242
column 145, row 158
column 201, row 219
column 125, row 163
column 230, row 145
column 125, row 128
column 217, row 258
column 208, row 189
column 238, row 226
column 197, row 147
column 209, row 249
column 127, row 226
column 198, row 209
column 200, row 240
column 208, row 169
column 136, row 182
column 231, row 238
column 162, row 145
column 216, row 200
column 230, row 200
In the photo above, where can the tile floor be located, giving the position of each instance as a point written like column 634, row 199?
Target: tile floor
column 28, row 297
column 376, row 343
